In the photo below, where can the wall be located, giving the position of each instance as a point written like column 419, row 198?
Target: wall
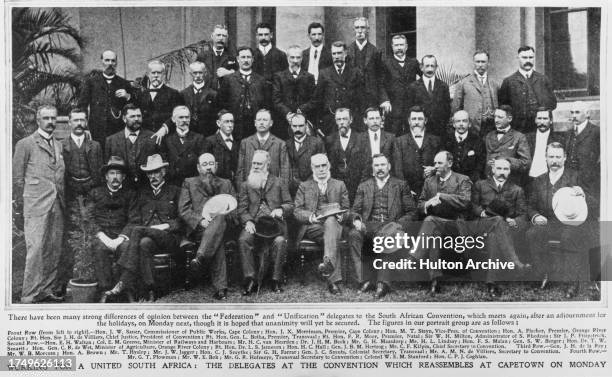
column 499, row 32
column 292, row 25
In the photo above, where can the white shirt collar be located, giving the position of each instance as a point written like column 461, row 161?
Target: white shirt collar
column 198, row 86
column 427, row 79
column 398, row 59
column 158, row 187
column 554, row 176
column 360, row 46
column 220, row 52
column 128, row 132
column 313, row 48
column 78, row 140
column 524, row 73
column 300, row 140
column 296, row 71
column 348, row 133
column 245, row 72
column 540, row 134
column 265, row 49
column 113, row 190
column 497, row 183
column 581, row 126
column 45, row 135
column 319, row 182
column 108, row 77
column 262, row 140
column 481, row 77
column 444, row 179
column 383, row 182
column 224, row 136
column 422, row 134
column 181, row 133
column 159, row 87
column 462, row 136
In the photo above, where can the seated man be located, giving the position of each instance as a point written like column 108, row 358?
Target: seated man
column 380, row 200
column 154, row 225
column 312, row 197
column 195, row 193
column 109, row 207
column 263, row 196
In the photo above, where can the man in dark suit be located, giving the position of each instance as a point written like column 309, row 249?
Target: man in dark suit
column 158, row 101
column 224, row 147
column 312, row 198
column 433, row 95
column 219, row 60
column 398, row 73
column 380, row 200
column 414, row 152
column 316, row 57
column 467, row 148
column 526, row 90
column 539, row 139
column 196, row 191
column 293, row 88
column 338, row 86
column 378, row 141
column 508, row 143
column 133, row 145
column 243, row 93
column 347, row 152
column 105, row 93
column 183, row 147
column 263, row 195
column 201, row 100
column 263, row 139
column 300, row 148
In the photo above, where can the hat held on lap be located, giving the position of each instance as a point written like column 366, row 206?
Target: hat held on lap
column 221, row 204
column 267, row 227
column 570, row 209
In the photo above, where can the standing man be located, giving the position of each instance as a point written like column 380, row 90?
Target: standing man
column 477, row 94
column 398, row 73
column 347, row 152
column 509, row 143
column 316, row 57
column 105, row 93
column 300, row 148
column 526, row 90
column 211, row 231
column 184, row 147
column 219, row 60
column 414, row 152
column 312, row 198
column 539, row 139
column 378, row 140
column 38, row 177
column 467, row 148
column 243, row 93
column 434, row 96
column 263, row 139
column 263, row 205
column 201, row 100
column 223, row 147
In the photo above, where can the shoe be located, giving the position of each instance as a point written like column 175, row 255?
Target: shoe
column 571, row 291
column 333, row 288
column 221, row 294
column 381, row 290
column 493, row 290
column 249, row 287
column 276, row 286
column 366, row 286
column 434, row 288
column 114, row 292
column 544, row 282
column 195, row 266
column 51, row 298
column 326, row 268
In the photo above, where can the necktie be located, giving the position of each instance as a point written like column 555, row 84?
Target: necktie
column 340, row 71
column 315, row 54
column 575, row 130
column 418, row 136
column 295, row 74
column 499, row 187
column 459, row 139
column 228, row 141
column 375, row 137
column 298, row 145
column 246, row 77
column 182, row 139
column 133, row 137
column 79, row 143
column 430, row 87
column 482, row 80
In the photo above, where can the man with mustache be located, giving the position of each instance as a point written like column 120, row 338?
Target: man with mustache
column 467, row 147
column 300, row 148
column 509, row 143
column 110, row 206
column 210, row 231
column 219, row 60
column 539, row 139
column 316, row 57
column 38, row 178
column 224, row 147
column 526, row 90
column 263, row 195
column 105, row 93
column 201, row 100
column 184, row 147
column 433, row 95
column 379, row 140
column 380, row 200
column 133, row 144
column 398, row 73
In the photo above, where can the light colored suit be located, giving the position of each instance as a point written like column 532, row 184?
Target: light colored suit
column 38, row 175
column 468, row 97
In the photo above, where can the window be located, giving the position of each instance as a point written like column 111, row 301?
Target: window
column 402, row 20
column 572, row 50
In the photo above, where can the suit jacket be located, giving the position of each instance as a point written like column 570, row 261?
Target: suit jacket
column 352, row 168
column 553, row 136
column 395, row 87
column 513, row 145
column 116, row 145
column 325, row 60
column 514, row 91
column 279, row 160
column 409, row 159
column 156, row 111
column 300, row 160
column 195, row 193
column 227, row 60
column 110, row 212
column 307, row 200
column 38, row 174
column 183, row 157
column 387, row 140
column 203, row 108
column 274, row 61
column 469, row 97
column 485, row 191
column 227, row 159
column 583, row 155
column 274, row 194
column 104, row 107
column 93, row 156
column 540, row 193
column 455, row 193
column 371, row 69
column 289, row 94
column 156, row 209
column 437, row 106
column 401, row 206
column 469, row 156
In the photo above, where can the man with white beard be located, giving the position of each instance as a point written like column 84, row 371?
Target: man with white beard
column 263, row 205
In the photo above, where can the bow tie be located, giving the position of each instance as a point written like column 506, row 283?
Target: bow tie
column 344, row 136
column 154, row 90
column 418, row 136
column 500, row 132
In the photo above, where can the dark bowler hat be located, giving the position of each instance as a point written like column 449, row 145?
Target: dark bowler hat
column 498, row 207
column 443, row 210
column 114, row 162
column 267, row 227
